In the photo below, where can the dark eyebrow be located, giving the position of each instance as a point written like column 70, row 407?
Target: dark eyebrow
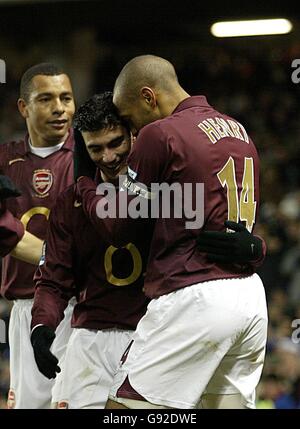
column 92, row 145
column 113, row 142
column 50, row 94
column 44, row 94
column 116, row 140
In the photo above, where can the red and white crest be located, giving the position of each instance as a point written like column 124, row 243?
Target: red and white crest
column 42, row 181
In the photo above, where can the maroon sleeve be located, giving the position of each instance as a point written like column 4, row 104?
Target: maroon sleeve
column 11, row 232
column 54, row 280
column 146, row 164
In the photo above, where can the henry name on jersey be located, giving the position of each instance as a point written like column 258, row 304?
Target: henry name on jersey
column 218, row 128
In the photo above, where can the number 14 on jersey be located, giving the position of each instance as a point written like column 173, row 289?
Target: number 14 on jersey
column 243, row 208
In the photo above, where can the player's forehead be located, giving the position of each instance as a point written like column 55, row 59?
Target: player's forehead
column 122, row 104
column 57, row 84
column 105, row 135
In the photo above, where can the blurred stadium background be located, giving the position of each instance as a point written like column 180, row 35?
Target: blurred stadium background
column 248, row 78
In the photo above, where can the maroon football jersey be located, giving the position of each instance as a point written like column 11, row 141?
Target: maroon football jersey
column 40, row 180
column 195, row 145
column 108, row 280
column 11, row 231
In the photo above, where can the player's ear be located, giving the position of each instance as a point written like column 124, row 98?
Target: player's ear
column 149, row 96
column 22, row 106
column 132, row 139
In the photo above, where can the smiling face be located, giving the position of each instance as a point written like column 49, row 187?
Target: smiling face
column 109, row 148
column 49, row 109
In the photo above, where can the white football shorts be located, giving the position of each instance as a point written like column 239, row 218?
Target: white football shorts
column 29, row 388
column 208, row 338
column 91, row 360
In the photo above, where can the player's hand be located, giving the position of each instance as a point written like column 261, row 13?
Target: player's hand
column 41, row 339
column 7, row 188
column 83, row 165
column 239, row 247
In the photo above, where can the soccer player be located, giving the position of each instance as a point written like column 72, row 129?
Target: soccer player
column 202, row 340
column 107, row 301
column 109, row 280
column 41, row 166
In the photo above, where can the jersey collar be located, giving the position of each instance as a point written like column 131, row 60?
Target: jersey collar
column 195, row 101
column 68, row 145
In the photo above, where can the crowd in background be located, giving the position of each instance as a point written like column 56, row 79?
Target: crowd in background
column 253, row 85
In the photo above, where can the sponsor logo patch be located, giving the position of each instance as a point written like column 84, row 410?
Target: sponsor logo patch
column 42, row 181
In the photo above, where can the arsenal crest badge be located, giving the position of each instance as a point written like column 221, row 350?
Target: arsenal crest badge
column 42, row 181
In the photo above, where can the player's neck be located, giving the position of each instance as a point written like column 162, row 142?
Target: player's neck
column 106, row 179
column 38, row 141
column 170, row 103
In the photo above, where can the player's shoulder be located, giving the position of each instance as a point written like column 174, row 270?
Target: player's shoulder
column 11, row 149
column 154, row 129
column 162, row 127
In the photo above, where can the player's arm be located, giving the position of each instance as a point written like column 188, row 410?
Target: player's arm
column 11, row 229
column 146, row 162
column 238, row 247
column 13, row 239
column 54, row 282
column 28, row 249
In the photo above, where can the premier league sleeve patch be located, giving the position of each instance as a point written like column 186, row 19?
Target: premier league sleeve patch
column 132, row 174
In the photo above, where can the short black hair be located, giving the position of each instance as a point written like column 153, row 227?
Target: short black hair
column 97, row 113
column 45, row 69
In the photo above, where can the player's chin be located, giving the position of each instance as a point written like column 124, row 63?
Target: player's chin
column 115, row 173
column 59, row 131
column 59, row 134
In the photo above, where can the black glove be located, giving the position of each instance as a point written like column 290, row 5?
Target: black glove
column 7, row 188
column 239, row 247
column 41, row 339
column 83, row 165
